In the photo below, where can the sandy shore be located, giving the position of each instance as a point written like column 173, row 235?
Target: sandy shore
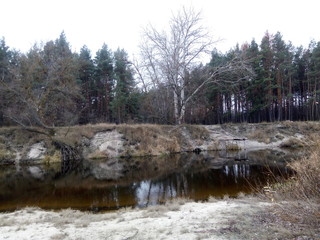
column 247, row 218
column 224, row 219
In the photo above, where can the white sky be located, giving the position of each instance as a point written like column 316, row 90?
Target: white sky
column 118, row 23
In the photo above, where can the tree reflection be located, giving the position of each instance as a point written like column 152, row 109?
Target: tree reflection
column 229, row 180
column 113, row 184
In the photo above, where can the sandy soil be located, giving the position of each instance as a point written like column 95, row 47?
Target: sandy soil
column 224, row 219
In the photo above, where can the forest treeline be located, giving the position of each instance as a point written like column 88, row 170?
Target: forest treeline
column 50, row 85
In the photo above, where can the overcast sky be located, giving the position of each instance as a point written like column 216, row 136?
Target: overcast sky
column 118, row 23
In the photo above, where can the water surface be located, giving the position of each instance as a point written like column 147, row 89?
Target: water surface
column 112, row 184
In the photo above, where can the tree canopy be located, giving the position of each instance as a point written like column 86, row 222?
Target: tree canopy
column 267, row 80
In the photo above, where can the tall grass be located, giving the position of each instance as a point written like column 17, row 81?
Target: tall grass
column 301, row 193
column 306, row 184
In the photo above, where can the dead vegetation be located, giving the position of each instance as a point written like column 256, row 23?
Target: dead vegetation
column 293, row 143
column 299, row 197
column 148, row 139
column 73, row 135
column 233, row 147
column 305, row 185
column 273, row 132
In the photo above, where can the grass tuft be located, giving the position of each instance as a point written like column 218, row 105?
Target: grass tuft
column 6, row 155
column 233, row 147
column 292, row 143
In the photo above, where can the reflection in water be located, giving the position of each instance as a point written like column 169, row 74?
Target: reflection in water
column 229, row 180
column 140, row 182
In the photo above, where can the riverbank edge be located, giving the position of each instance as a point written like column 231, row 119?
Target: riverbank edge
column 18, row 145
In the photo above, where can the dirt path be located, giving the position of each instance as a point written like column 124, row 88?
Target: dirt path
column 225, row 219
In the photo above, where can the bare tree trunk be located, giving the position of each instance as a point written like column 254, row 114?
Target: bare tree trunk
column 182, row 115
column 176, row 107
column 183, row 107
column 279, row 95
column 290, row 100
column 107, row 99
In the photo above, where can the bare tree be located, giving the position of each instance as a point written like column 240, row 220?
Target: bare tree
column 169, row 56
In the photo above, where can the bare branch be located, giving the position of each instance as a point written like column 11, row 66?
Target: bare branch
column 169, row 56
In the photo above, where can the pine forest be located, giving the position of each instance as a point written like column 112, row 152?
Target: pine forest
column 267, row 80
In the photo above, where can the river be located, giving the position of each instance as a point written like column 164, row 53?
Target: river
column 111, row 184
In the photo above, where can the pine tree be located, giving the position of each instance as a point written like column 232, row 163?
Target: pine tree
column 256, row 90
column 314, row 76
column 215, row 93
column 267, row 74
column 5, row 57
column 125, row 102
column 278, row 50
column 61, row 70
column 104, row 83
column 299, row 79
column 86, row 78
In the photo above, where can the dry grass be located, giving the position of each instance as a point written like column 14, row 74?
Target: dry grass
column 302, row 126
column 301, row 193
column 73, row 135
column 139, row 139
column 233, row 147
column 306, row 184
column 272, row 132
column 146, row 139
column 149, row 139
column 56, row 157
column 6, row 155
column 98, row 155
column 265, row 134
column 198, row 132
column 292, row 143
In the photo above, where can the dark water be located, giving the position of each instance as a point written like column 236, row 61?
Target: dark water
column 112, row 184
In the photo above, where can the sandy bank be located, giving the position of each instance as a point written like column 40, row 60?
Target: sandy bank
column 215, row 220
column 109, row 141
column 225, row 219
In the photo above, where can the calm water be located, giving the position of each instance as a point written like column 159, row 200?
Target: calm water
column 112, row 184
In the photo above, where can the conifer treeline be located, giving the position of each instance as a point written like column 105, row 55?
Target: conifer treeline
column 51, row 85
column 285, row 85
